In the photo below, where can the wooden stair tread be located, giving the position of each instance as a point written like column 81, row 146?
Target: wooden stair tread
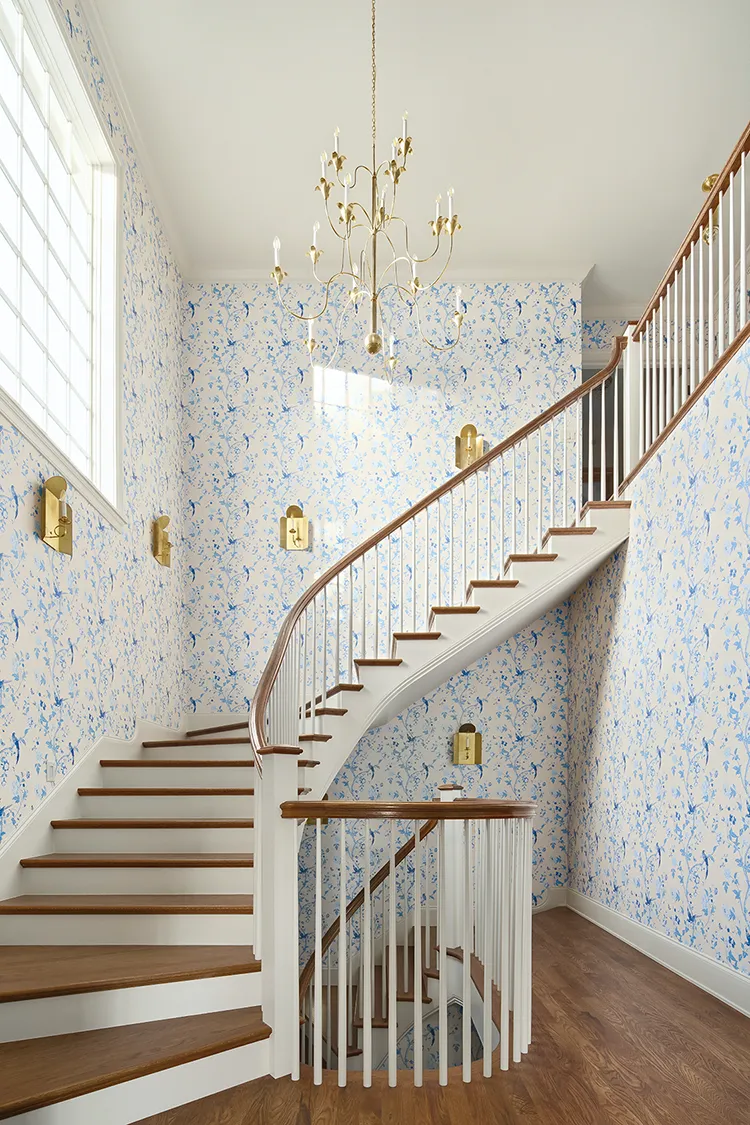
column 139, row 859
column 417, row 636
column 600, row 505
column 202, row 731
column 538, row 556
column 28, row 972
column 46, row 1071
column 315, row 738
column 152, row 822
column 191, row 742
column 342, row 687
column 128, row 904
column 321, row 711
column 378, row 662
column 493, row 583
column 444, row 609
column 145, row 791
column 176, row 763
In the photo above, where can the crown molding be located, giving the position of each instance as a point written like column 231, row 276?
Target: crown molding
column 153, row 182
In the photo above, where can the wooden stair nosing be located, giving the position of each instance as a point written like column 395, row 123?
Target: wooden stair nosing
column 47, row 1071
column 307, row 763
column 203, row 731
column 29, row 972
column 150, row 744
column 153, row 822
column 492, row 584
column 139, row 859
column 571, row 531
column 315, row 738
column 603, row 505
column 442, row 610
column 320, row 712
column 378, row 661
column 340, row 687
column 127, row 904
column 520, row 557
column 144, row 791
column 433, row 636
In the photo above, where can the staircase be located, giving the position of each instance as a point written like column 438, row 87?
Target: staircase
column 128, row 981
column 152, row 956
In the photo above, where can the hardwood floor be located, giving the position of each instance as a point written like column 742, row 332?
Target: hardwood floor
column 617, row 1040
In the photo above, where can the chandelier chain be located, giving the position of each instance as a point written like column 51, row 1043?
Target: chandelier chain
column 374, row 76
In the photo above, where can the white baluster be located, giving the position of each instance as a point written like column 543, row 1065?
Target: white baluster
column 579, row 460
column 388, row 630
column 401, row 569
column 426, row 569
column 438, row 554
column 590, row 477
column 490, row 518
column 443, row 963
column 654, row 380
column 499, row 570
column 476, row 536
column 405, row 919
column 342, row 1021
column 730, row 283
column 324, row 638
column 377, row 601
column 366, row 956
column 662, row 370
column 468, row 909
column 506, row 876
column 464, row 546
column 603, row 419
column 517, row 940
column 486, row 950
column 328, row 1023
column 417, row 956
column 513, row 504
column 413, row 575
column 711, row 340
column 306, row 674
column 350, row 643
column 645, row 356
column 318, row 999
column 701, row 309
column 551, row 477
column 566, row 514
column 669, row 410
column 392, row 964
column 720, row 277
column 684, row 363
column 450, row 549
column 337, row 664
column 384, row 906
column 616, row 427
column 363, row 639
column 693, row 327
column 527, row 509
column 529, row 828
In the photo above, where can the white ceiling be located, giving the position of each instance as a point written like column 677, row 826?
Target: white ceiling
column 576, row 134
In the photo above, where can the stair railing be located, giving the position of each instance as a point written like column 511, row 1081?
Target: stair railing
column 467, row 890
column 589, row 446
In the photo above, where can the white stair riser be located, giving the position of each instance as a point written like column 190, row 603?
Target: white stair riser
column 222, row 777
column 138, row 881
column 166, row 807
column 87, row 1011
column 156, row 1093
column 153, row 839
column 198, row 751
column 127, row 929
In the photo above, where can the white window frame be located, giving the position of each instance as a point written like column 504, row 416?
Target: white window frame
column 107, row 441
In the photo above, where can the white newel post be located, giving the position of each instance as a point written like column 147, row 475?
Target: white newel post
column 279, row 918
column 454, row 871
column 631, row 403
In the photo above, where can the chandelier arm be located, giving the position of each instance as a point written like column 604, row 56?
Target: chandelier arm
column 301, row 316
column 330, row 223
column 436, row 347
column 419, row 261
column 440, row 276
column 393, row 262
column 403, row 292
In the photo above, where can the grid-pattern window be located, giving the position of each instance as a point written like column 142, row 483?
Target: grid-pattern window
column 58, row 232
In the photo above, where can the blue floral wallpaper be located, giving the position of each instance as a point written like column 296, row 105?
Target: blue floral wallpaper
column 263, row 431
column 90, row 644
column 660, row 692
column 598, row 335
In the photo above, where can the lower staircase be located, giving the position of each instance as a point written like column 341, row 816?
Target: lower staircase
column 128, row 981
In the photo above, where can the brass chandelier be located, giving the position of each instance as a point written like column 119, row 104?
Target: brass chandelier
column 368, row 235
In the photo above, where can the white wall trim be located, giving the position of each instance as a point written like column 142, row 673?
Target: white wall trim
column 726, row 984
column 34, row 837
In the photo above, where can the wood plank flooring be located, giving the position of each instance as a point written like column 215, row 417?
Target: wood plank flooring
column 617, row 1040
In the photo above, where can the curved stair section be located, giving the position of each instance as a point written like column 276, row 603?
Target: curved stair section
column 128, row 979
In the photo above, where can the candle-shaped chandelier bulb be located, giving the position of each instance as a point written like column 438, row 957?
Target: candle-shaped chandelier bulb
column 372, row 265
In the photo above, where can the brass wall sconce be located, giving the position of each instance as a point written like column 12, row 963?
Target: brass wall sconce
column 469, row 446
column 57, row 518
column 294, row 529
column 467, row 746
column 710, row 232
column 161, row 548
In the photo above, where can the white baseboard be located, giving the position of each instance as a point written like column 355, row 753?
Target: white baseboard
column 552, row 897
column 726, row 984
column 34, row 837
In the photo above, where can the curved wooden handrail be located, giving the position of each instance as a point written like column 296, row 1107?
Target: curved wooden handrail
column 267, row 679
column 468, row 808
column 352, row 907
column 732, row 164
